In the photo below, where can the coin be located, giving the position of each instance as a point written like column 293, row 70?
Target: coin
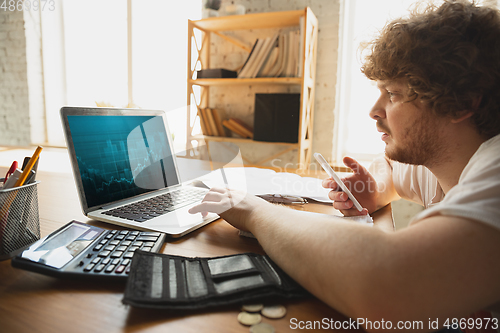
column 274, row 311
column 252, row 307
column 262, row 328
column 249, row 319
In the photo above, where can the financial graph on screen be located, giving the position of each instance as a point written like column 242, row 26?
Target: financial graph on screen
column 121, row 156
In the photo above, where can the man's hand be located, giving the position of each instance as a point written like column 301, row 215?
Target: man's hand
column 361, row 184
column 235, row 207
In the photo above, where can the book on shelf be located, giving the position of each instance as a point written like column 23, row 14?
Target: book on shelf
column 250, row 62
column 275, row 70
column 270, row 62
column 218, row 122
column 203, row 123
column 277, row 56
column 291, row 68
column 266, row 49
column 242, row 127
column 205, row 116
column 238, row 127
column 211, row 121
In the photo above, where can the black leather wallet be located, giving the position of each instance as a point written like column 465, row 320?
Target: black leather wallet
column 182, row 283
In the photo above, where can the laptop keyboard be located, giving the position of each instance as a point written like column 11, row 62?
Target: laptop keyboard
column 147, row 209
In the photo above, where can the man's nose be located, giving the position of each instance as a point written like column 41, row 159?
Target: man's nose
column 377, row 111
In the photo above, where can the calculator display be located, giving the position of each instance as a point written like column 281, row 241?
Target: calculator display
column 58, row 249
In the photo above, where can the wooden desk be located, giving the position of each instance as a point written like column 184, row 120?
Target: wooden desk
column 31, row 302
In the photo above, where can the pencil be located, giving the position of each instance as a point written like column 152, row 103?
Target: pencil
column 29, row 166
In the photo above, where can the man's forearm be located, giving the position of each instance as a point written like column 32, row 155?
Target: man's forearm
column 311, row 248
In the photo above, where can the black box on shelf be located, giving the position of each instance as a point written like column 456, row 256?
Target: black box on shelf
column 276, row 117
column 216, row 73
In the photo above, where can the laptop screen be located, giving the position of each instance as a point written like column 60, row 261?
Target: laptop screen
column 120, row 156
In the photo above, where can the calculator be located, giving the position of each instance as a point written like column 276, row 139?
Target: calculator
column 86, row 251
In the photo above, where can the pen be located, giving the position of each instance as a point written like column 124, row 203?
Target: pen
column 12, row 179
column 4, row 210
column 29, row 166
column 12, row 168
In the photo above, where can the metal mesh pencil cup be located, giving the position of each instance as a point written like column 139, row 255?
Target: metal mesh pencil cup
column 19, row 220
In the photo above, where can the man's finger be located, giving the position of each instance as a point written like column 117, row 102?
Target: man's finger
column 207, row 206
column 218, row 190
column 338, row 196
column 355, row 166
column 213, row 196
column 341, row 205
column 329, row 183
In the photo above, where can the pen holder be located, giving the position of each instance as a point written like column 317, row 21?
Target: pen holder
column 19, row 221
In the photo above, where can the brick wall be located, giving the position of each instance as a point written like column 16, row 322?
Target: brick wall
column 14, row 98
column 238, row 100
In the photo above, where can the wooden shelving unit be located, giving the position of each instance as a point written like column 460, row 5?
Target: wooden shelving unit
column 277, row 20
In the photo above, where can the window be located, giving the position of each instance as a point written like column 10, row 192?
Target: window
column 86, row 57
column 356, row 131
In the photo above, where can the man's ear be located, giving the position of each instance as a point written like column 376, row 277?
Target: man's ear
column 464, row 114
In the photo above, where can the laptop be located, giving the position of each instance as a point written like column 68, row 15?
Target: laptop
column 125, row 170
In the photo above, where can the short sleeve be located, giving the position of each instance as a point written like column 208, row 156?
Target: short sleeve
column 477, row 194
column 416, row 183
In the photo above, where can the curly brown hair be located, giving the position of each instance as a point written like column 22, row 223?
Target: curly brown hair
column 450, row 57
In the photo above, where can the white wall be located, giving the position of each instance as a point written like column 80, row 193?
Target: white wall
column 239, row 100
column 14, row 99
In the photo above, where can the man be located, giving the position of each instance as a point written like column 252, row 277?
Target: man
column 438, row 73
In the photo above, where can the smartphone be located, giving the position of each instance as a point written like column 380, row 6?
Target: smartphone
column 328, row 169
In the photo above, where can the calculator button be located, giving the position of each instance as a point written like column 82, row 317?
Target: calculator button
column 150, row 244
column 104, row 241
column 106, row 261
column 123, row 232
column 89, row 267
column 99, row 268
column 126, row 243
column 126, row 262
column 130, row 238
column 96, row 260
column 117, row 254
column 121, row 248
column 120, row 237
column 110, row 248
column 104, row 254
column 146, row 249
column 135, row 233
column 109, row 236
column 149, row 233
column 128, row 255
column 139, row 244
column 133, row 248
column 120, row 269
column 147, row 238
column 98, row 247
column 115, row 262
column 114, row 242
column 110, row 268
column 113, row 232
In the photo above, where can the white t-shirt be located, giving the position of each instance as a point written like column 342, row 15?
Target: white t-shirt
column 476, row 196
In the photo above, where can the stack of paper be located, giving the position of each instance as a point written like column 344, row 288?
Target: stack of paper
column 259, row 181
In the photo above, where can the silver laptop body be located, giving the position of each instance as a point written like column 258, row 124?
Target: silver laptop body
column 123, row 158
